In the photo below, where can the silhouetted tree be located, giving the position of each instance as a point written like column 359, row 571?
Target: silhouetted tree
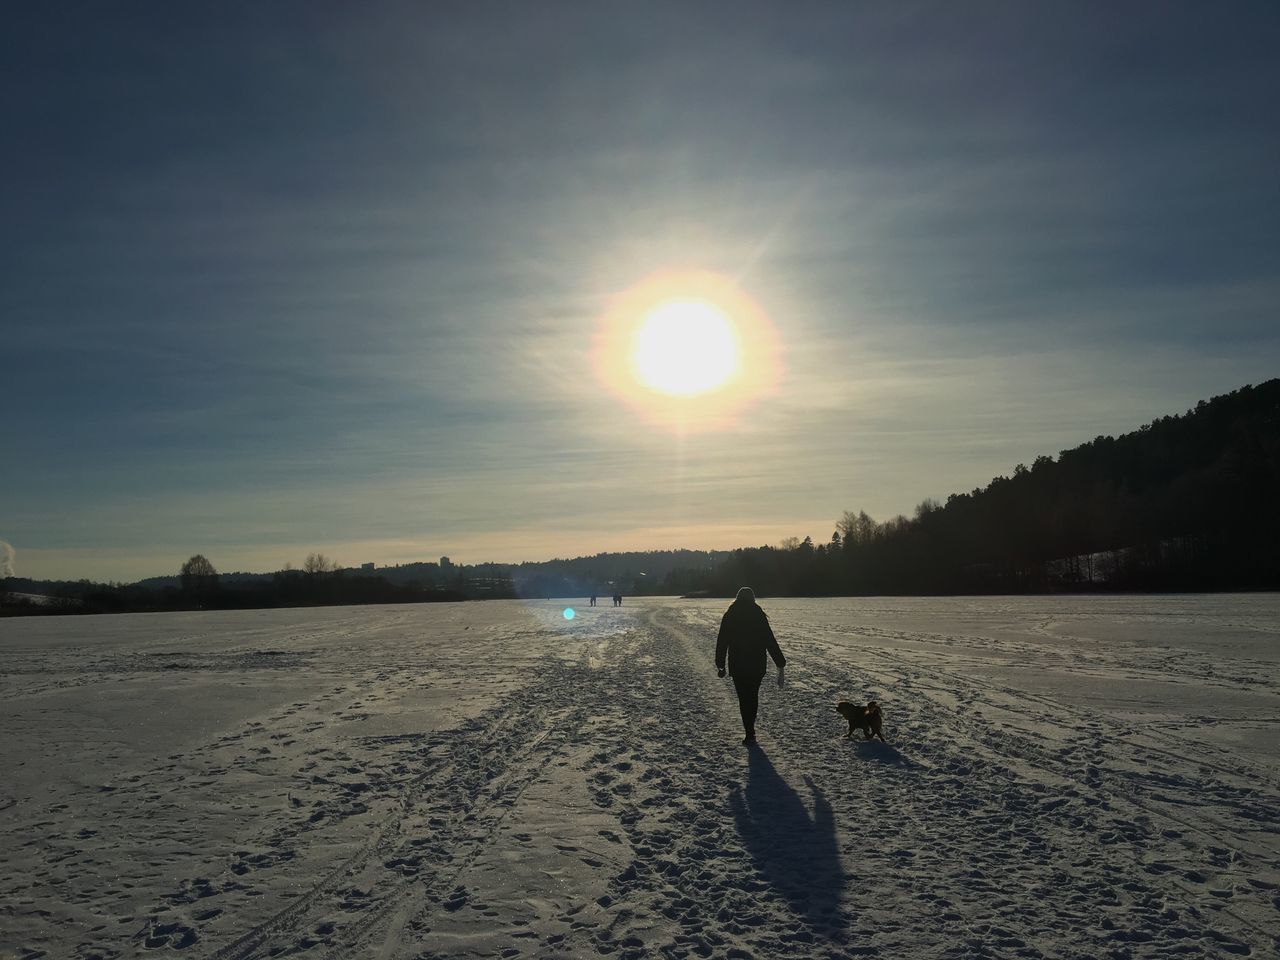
column 318, row 563
column 198, row 577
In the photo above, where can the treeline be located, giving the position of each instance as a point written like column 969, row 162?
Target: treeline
column 322, row 582
column 1184, row 503
column 284, row 589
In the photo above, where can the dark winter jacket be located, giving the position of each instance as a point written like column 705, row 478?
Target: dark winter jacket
column 745, row 635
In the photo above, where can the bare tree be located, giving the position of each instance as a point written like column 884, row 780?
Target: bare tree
column 198, row 575
column 846, row 527
column 857, row 528
column 318, row 563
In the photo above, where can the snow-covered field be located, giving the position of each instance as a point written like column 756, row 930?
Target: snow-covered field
column 1080, row 777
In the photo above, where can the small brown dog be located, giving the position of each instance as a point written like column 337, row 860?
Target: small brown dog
column 865, row 718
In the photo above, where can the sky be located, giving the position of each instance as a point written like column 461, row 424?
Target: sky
column 287, row 277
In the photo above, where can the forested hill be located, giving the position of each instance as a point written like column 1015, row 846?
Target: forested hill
column 1185, row 503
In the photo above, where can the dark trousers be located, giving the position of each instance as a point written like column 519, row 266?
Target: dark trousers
column 748, row 700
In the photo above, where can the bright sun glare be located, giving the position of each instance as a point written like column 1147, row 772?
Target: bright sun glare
column 685, row 348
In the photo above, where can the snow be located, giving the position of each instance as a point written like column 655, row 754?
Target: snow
column 1064, row 777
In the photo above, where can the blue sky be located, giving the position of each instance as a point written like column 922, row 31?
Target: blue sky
column 290, row 277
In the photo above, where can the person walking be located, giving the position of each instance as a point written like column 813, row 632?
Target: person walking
column 746, row 637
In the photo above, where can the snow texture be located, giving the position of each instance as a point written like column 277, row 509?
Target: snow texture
column 1082, row 777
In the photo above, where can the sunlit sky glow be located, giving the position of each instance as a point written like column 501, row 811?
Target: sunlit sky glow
column 689, row 353
column 371, row 279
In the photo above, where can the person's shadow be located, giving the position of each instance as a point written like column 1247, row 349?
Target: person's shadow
column 797, row 855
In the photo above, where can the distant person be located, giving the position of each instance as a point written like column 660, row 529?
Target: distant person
column 593, row 599
column 746, row 637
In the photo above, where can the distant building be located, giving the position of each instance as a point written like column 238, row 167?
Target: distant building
column 367, row 567
column 445, row 563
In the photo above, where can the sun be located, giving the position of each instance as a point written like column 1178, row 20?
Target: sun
column 684, row 348
column 687, row 349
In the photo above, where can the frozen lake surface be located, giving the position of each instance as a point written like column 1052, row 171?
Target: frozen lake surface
column 1079, row 777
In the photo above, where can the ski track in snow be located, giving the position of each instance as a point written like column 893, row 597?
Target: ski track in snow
column 579, row 790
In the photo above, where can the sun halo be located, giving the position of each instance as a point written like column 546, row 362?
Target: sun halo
column 687, row 349
column 684, row 348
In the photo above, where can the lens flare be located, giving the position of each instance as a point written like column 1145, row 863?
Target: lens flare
column 687, row 349
column 569, row 613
